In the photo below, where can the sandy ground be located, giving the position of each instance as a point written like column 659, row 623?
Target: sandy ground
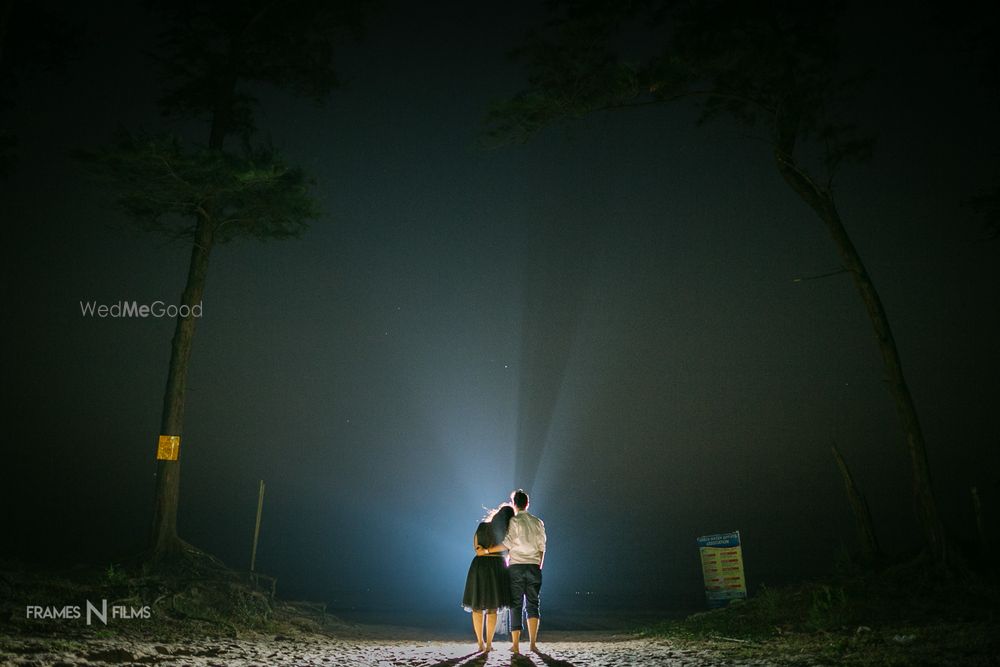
column 565, row 651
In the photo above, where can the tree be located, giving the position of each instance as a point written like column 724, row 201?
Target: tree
column 210, row 52
column 205, row 197
column 766, row 65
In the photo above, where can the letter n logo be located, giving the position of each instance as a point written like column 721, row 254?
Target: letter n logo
column 102, row 615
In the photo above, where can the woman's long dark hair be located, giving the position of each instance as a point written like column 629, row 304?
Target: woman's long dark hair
column 500, row 522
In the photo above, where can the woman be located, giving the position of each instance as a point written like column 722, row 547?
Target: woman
column 487, row 588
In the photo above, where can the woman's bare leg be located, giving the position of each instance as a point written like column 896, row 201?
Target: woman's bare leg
column 477, row 624
column 491, row 627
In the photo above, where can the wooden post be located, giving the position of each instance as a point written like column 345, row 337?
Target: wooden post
column 977, row 507
column 256, row 528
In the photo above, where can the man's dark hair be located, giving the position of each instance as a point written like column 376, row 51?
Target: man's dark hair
column 520, row 499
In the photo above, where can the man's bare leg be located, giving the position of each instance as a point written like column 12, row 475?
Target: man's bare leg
column 491, row 627
column 477, row 624
column 515, row 637
column 533, row 633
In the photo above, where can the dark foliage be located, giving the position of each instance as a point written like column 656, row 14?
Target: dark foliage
column 772, row 66
column 210, row 51
column 167, row 188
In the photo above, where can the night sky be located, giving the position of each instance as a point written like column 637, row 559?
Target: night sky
column 609, row 316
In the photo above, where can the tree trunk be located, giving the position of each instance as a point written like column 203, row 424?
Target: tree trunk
column 164, row 539
column 821, row 202
column 862, row 514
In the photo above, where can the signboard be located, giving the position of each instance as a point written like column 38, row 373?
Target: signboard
column 722, row 566
column 168, row 447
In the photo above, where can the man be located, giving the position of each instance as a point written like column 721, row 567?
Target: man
column 526, row 543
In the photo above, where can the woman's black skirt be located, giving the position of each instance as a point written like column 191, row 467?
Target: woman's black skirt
column 488, row 584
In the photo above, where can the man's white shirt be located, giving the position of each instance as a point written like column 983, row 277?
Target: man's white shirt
column 525, row 539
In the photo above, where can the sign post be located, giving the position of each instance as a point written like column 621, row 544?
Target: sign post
column 256, row 527
column 722, row 567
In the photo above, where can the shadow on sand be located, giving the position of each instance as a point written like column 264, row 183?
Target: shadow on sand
column 525, row 660
column 517, row 660
column 471, row 660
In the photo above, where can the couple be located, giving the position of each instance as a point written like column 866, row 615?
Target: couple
column 508, row 531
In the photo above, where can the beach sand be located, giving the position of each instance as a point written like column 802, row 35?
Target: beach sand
column 560, row 650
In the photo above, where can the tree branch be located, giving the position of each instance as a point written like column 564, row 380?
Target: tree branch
column 685, row 94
